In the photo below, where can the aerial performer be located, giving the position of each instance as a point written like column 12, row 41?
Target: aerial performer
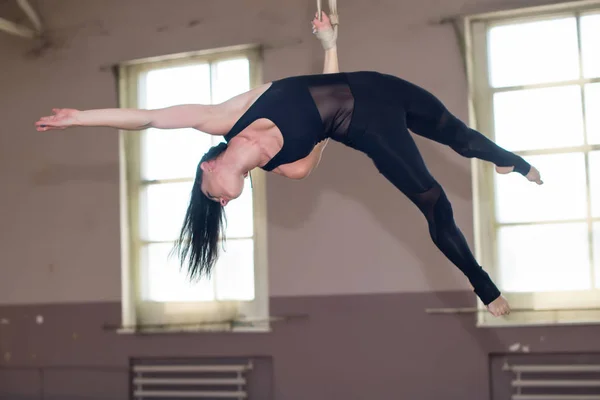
column 283, row 127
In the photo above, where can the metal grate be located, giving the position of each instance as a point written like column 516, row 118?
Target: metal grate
column 192, row 379
column 555, row 382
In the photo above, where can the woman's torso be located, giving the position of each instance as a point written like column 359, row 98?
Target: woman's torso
column 292, row 115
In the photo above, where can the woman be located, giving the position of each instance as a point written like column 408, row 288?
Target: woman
column 283, row 127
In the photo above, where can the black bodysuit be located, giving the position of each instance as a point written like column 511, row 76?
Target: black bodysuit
column 373, row 112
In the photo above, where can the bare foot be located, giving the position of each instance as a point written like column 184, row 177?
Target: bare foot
column 532, row 176
column 499, row 307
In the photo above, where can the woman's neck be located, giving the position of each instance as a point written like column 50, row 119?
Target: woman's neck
column 242, row 155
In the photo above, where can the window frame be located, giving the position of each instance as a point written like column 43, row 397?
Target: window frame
column 547, row 308
column 146, row 316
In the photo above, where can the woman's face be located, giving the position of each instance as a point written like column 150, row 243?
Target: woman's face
column 220, row 184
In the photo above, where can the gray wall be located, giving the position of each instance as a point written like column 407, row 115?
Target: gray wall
column 342, row 231
column 345, row 247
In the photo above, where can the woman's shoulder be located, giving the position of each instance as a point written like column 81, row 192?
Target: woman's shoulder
column 239, row 104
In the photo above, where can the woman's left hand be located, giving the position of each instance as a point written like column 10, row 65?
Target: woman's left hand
column 499, row 307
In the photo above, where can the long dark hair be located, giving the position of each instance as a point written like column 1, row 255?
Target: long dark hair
column 203, row 226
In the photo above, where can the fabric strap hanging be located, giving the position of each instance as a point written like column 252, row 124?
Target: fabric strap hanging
column 333, row 13
column 329, row 37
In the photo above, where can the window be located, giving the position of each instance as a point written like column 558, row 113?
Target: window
column 158, row 172
column 535, row 84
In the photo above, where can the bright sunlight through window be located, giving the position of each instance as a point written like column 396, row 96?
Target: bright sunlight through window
column 168, row 165
column 544, row 96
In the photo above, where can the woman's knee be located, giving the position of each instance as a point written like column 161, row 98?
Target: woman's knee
column 434, row 204
column 443, row 212
column 426, row 201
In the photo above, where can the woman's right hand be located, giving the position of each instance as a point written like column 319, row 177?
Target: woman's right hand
column 324, row 31
column 63, row 118
column 321, row 25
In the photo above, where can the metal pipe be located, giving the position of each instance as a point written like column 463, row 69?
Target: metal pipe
column 191, row 368
column 556, row 396
column 189, row 394
column 552, row 368
column 555, row 383
column 189, row 381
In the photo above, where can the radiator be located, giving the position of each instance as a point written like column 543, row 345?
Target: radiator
column 190, row 380
column 555, row 382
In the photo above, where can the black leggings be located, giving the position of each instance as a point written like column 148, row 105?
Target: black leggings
column 387, row 141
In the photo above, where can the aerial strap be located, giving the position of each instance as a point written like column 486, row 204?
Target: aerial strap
column 329, row 37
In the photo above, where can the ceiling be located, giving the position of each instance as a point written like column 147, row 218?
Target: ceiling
column 10, row 10
column 14, row 18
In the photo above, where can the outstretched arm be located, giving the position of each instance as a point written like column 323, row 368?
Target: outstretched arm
column 214, row 119
column 180, row 116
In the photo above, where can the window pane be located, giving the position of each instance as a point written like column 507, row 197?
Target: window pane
column 235, row 271
column 590, row 44
column 230, row 78
column 164, row 280
column 533, row 52
column 179, row 85
column 239, row 214
column 561, row 197
column 173, row 153
column 538, row 258
column 162, row 209
column 592, row 105
column 539, row 118
column 594, row 159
